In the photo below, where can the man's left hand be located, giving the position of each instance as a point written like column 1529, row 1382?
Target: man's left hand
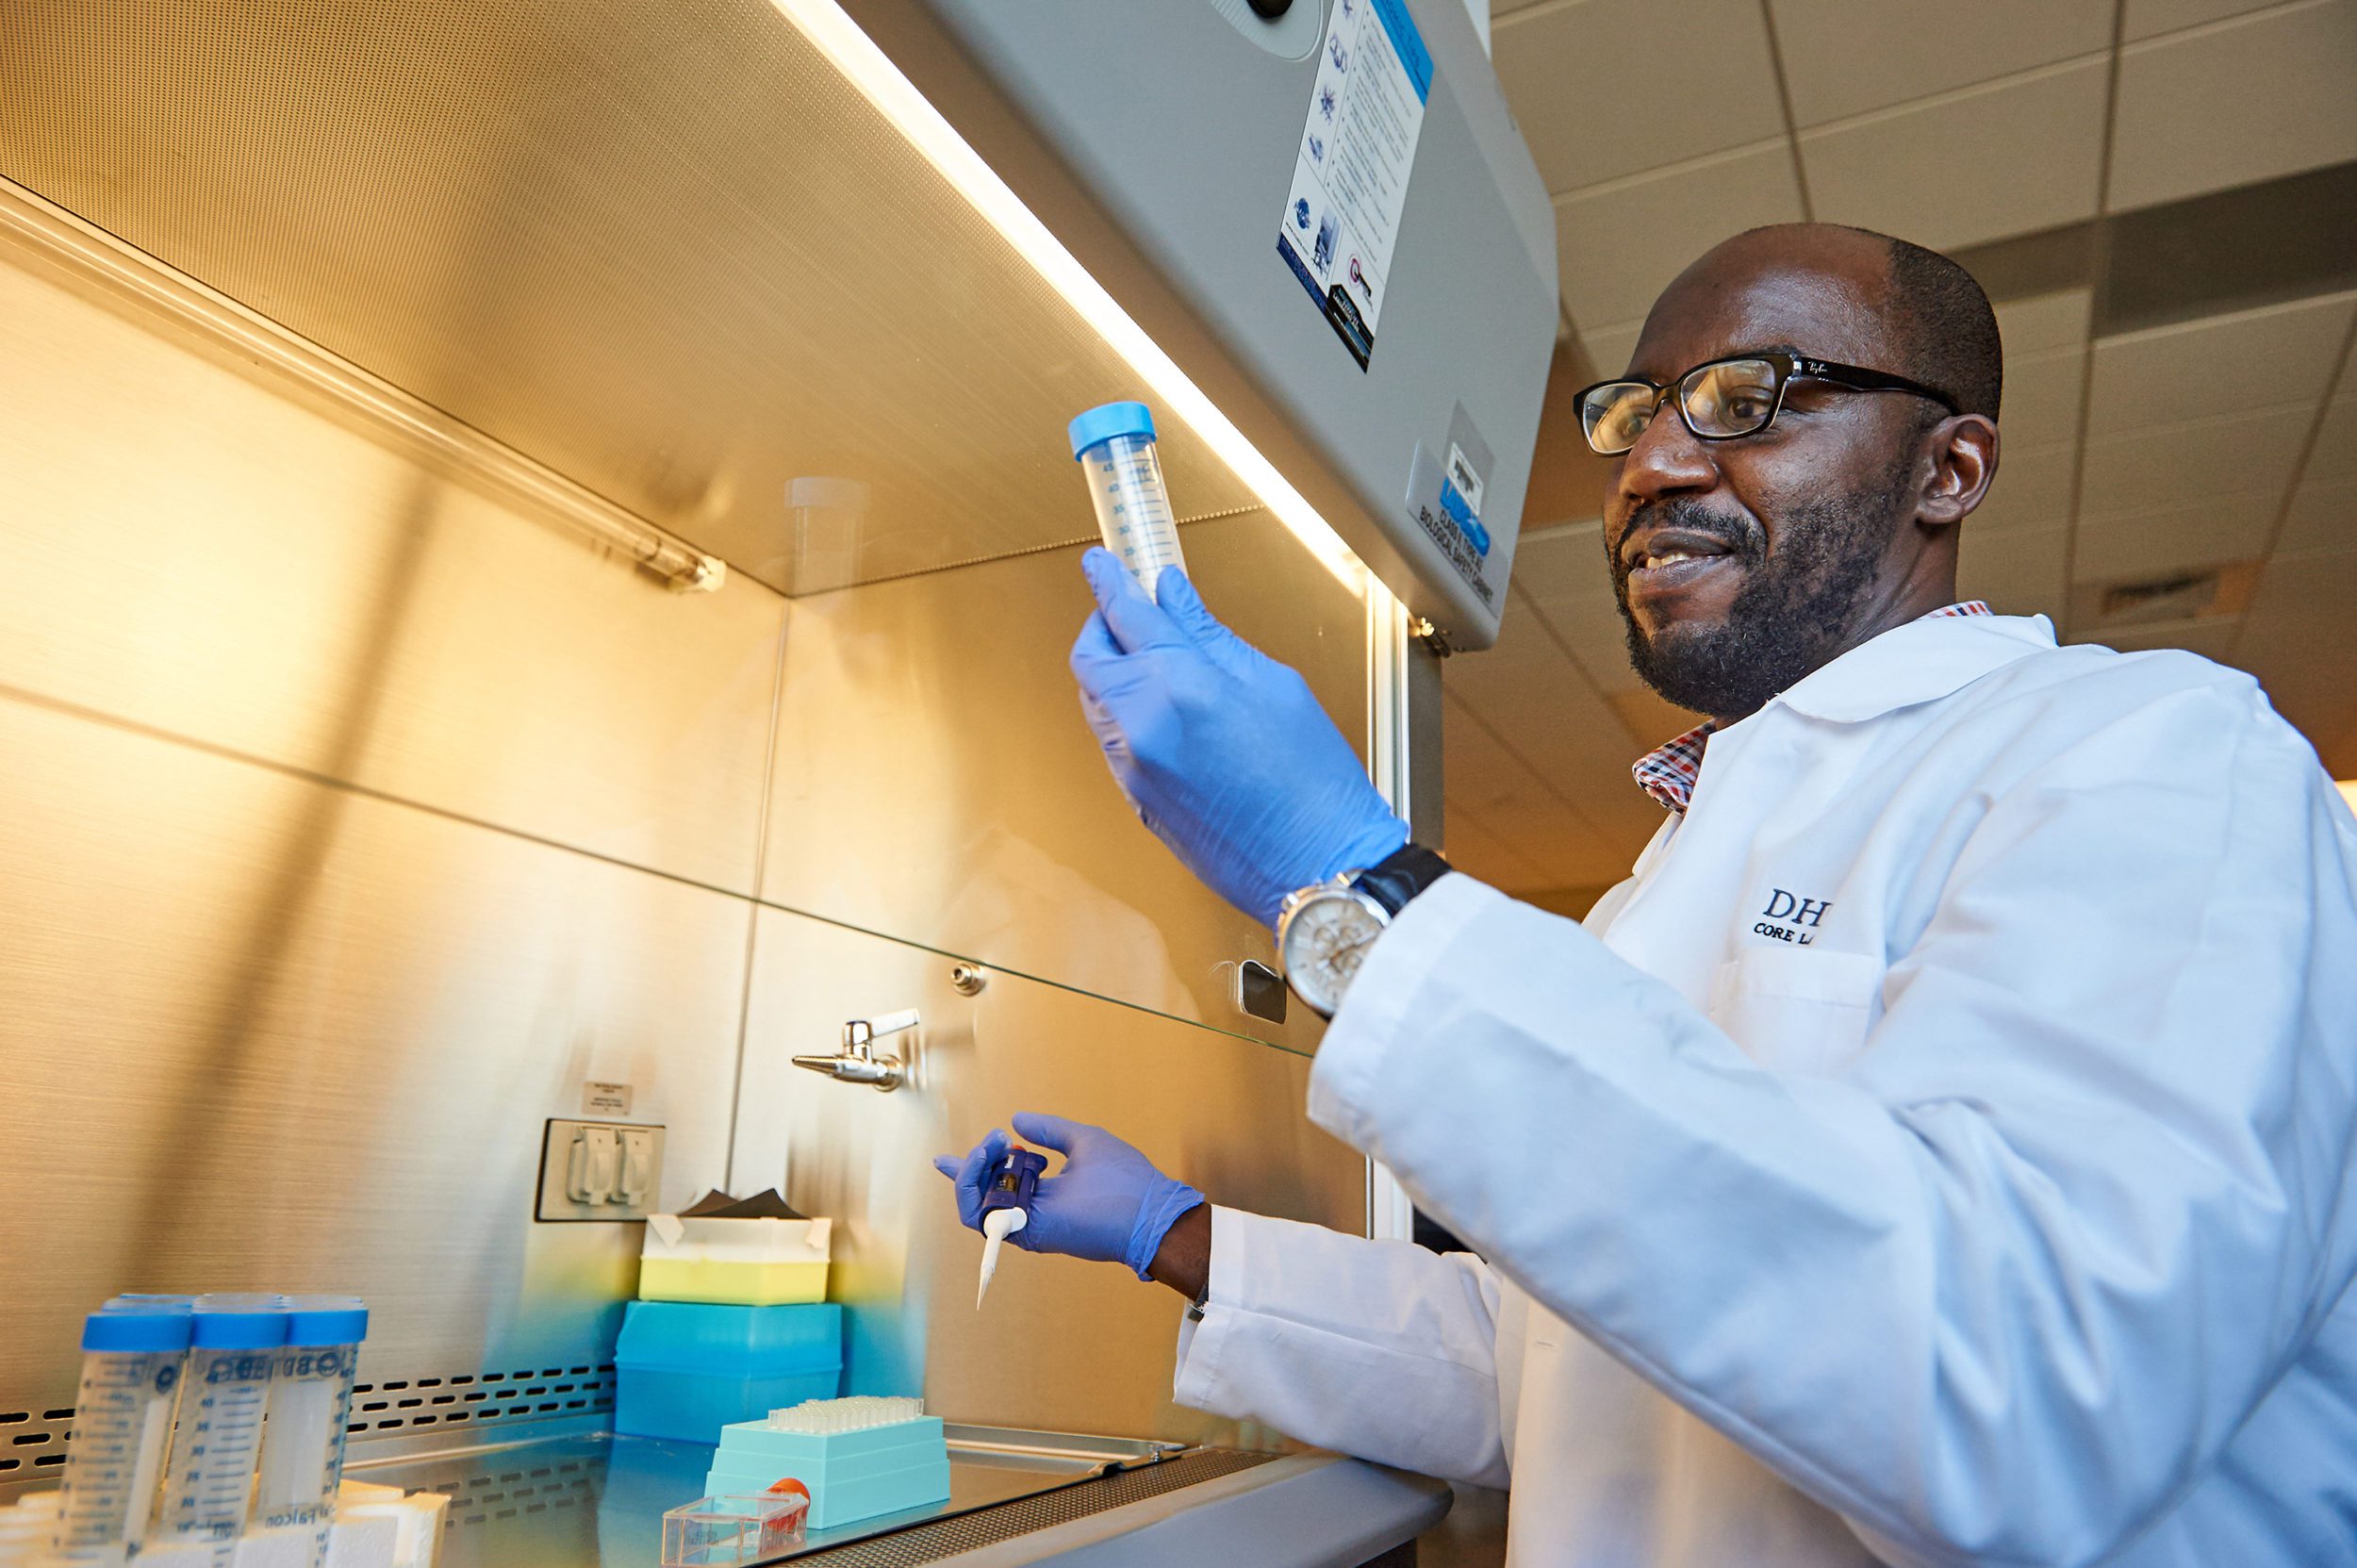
column 1224, row 752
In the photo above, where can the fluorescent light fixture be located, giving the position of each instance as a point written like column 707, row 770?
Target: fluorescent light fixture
column 869, row 70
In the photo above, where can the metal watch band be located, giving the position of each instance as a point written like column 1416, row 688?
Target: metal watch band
column 1202, row 1299
column 1401, row 875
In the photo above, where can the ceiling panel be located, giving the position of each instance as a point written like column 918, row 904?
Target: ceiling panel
column 1564, row 565
column 2245, row 100
column 1568, row 71
column 1619, row 244
column 1479, row 850
column 2031, row 492
column 2119, row 547
column 1846, row 57
column 2017, row 573
column 2044, row 322
column 1649, row 714
column 2335, row 453
column 2323, row 517
column 2214, row 638
column 2159, row 467
column 1543, row 705
column 1598, row 643
column 1506, row 798
column 2041, row 399
column 1611, row 348
column 2035, row 153
column 2303, row 607
column 2148, row 18
column 2221, row 364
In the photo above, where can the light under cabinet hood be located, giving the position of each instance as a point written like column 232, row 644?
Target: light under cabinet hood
column 691, row 255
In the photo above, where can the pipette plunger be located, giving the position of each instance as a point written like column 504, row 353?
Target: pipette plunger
column 1007, row 1198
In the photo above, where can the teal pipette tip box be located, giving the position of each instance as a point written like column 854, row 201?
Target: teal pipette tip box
column 850, row 1476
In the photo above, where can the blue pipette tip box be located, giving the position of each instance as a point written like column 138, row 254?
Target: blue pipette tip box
column 684, row 1369
column 850, row 1476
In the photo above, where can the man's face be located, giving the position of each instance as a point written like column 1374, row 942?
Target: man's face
column 1792, row 536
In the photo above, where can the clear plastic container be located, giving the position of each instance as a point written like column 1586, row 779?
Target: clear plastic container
column 134, row 1350
column 1114, row 446
column 726, row 1530
column 310, row 1402
column 233, row 1345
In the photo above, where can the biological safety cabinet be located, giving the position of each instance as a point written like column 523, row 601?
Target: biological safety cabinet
column 540, row 555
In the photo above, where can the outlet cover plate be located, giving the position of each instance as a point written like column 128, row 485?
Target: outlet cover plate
column 556, row 1204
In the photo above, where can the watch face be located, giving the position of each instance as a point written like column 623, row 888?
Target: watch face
column 1325, row 941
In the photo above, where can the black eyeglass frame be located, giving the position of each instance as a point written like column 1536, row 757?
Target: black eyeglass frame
column 1789, row 366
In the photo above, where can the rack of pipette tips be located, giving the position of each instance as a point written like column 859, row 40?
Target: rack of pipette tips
column 855, row 1458
column 208, row 1433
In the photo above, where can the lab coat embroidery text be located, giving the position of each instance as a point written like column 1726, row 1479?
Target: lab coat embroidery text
column 1790, row 906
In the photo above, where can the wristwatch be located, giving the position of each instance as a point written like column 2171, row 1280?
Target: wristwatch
column 1323, row 930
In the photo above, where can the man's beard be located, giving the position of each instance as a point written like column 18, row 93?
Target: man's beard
column 1792, row 615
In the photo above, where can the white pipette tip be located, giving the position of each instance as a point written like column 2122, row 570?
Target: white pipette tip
column 996, row 1227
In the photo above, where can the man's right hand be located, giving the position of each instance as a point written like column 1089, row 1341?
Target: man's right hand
column 1106, row 1202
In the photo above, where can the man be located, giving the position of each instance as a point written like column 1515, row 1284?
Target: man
column 1938, row 1151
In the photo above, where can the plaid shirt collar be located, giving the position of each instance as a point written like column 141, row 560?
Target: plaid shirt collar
column 1669, row 770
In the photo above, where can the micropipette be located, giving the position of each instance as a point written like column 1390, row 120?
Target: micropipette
column 1007, row 1205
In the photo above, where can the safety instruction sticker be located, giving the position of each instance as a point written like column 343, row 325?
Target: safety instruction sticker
column 1445, row 500
column 1350, row 173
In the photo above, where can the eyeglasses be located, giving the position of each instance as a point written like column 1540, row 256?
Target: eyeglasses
column 1721, row 399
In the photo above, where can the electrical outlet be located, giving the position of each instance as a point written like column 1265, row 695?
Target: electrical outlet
column 592, row 1171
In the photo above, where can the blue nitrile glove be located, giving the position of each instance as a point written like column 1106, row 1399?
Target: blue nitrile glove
column 1224, row 752
column 1106, row 1202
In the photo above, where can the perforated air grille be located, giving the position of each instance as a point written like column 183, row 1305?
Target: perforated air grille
column 32, row 1443
column 925, row 1544
column 406, row 1404
column 497, row 1495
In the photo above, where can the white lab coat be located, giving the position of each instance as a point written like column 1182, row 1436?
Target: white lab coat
column 1938, row 1151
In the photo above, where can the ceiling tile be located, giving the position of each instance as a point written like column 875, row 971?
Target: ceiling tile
column 2123, row 547
column 2161, row 467
column 1567, row 478
column 1651, row 715
column 2335, row 453
column 1572, row 571
column 2041, row 401
column 1488, row 784
column 1620, row 244
column 2245, row 100
column 2323, row 517
column 1598, row 643
column 2044, row 322
column 1568, row 69
column 2034, row 151
column 1609, row 348
column 2282, row 353
column 2214, row 638
column 1550, row 715
column 2032, row 490
column 2017, row 573
column 2149, row 17
column 1847, row 57
column 1559, row 567
column 1477, row 849
column 2300, row 613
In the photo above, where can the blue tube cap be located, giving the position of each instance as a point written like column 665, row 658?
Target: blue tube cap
column 134, row 1325
column 1113, row 418
column 239, row 1323
column 326, row 1320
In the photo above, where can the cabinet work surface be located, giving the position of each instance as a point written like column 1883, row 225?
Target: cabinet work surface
column 596, row 1501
